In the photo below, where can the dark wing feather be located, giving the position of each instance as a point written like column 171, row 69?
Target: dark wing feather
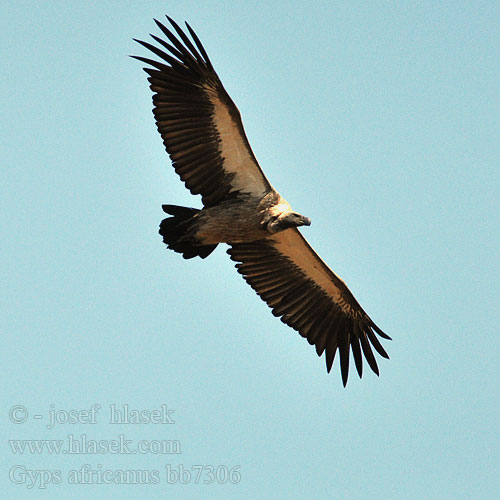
column 291, row 278
column 200, row 125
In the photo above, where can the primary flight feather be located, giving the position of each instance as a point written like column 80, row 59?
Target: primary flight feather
column 203, row 134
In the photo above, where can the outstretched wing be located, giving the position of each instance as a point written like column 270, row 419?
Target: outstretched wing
column 292, row 279
column 200, row 125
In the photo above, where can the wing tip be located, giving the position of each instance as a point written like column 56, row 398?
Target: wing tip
column 379, row 331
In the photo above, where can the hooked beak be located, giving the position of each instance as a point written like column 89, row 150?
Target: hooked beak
column 306, row 221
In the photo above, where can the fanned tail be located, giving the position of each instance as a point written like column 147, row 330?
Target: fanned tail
column 179, row 233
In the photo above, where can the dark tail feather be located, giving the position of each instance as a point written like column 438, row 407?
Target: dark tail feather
column 176, row 232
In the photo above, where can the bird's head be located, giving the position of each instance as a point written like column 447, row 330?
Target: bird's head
column 286, row 220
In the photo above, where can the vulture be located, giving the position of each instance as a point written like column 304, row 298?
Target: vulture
column 203, row 134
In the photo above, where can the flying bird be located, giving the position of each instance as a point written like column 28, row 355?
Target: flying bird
column 203, row 133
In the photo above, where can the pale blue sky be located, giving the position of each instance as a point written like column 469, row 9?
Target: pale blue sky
column 380, row 121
